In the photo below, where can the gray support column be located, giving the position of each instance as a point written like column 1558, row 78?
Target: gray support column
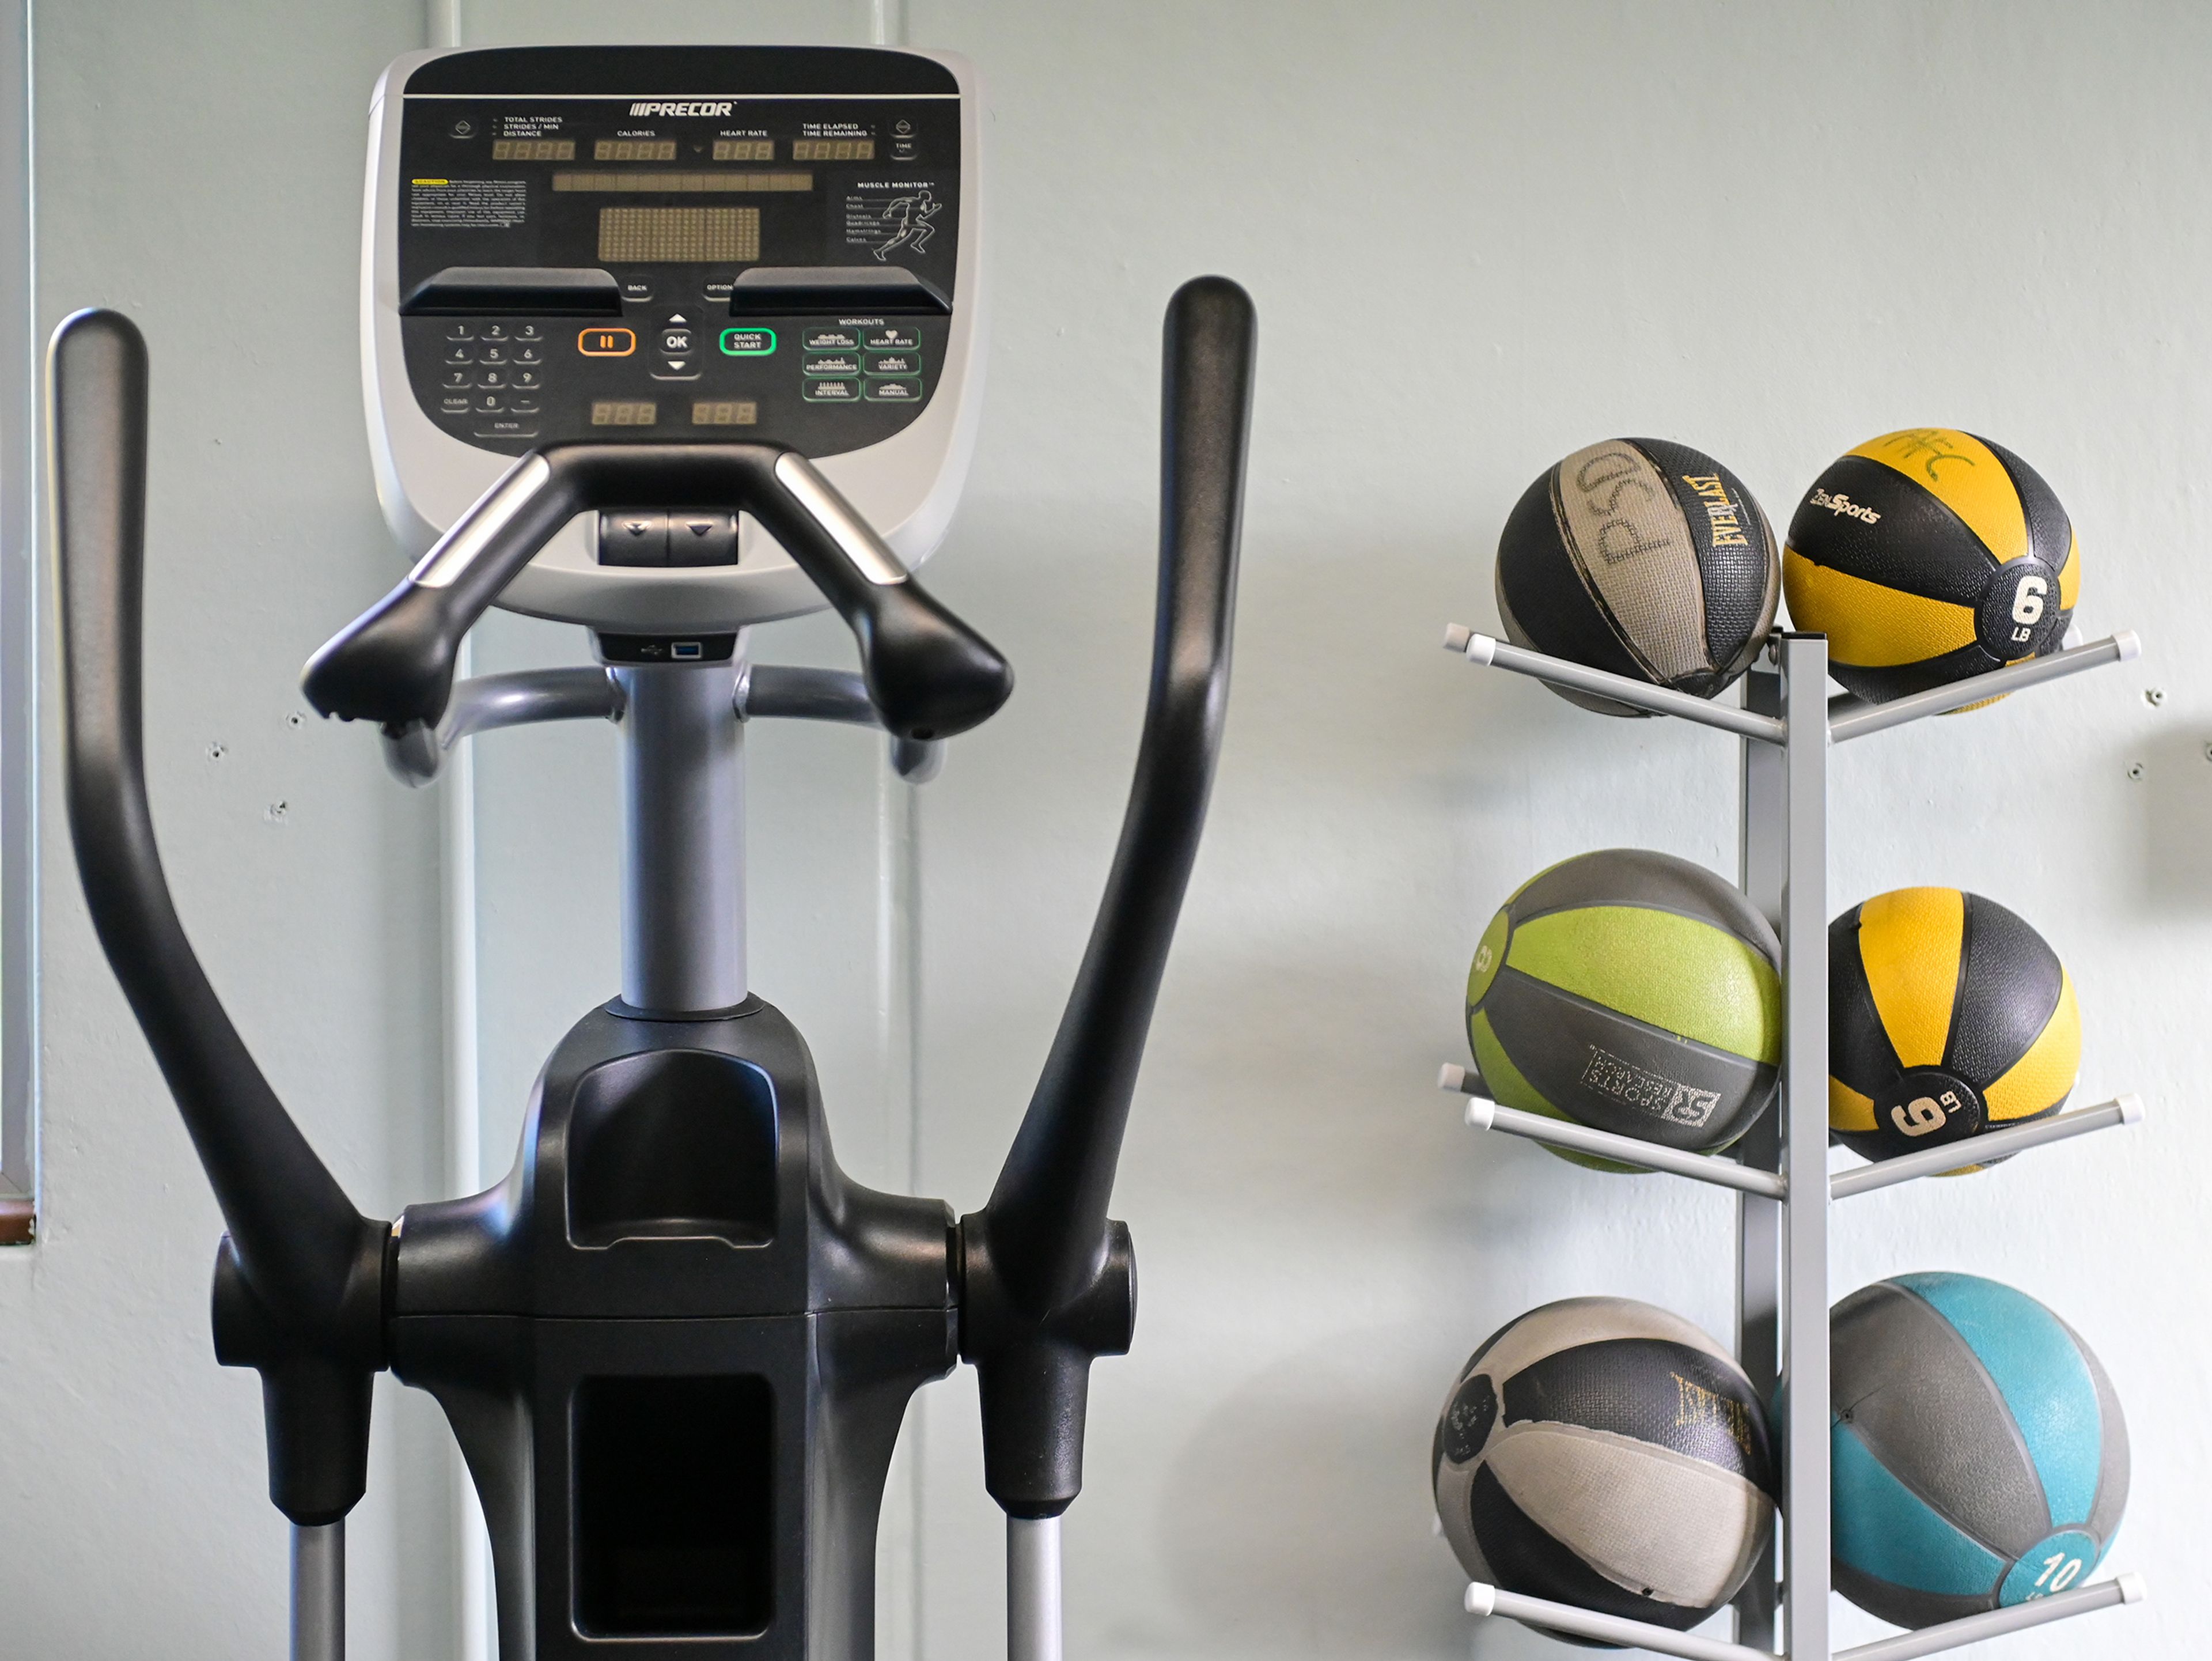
column 1033, row 1626
column 683, row 828
column 1804, row 1106
column 319, row 1592
column 1762, row 853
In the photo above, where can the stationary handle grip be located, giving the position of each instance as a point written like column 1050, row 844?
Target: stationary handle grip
column 928, row 674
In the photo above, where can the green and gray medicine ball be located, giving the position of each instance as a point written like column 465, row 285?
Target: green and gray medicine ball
column 1632, row 992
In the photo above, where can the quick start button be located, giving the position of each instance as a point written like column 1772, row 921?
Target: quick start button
column 748, row 342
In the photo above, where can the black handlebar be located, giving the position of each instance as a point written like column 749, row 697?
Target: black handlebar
column 929, row 675
column 310, row 1264
column 1042, row 1257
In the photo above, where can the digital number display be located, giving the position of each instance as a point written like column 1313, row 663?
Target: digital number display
column 533, row 149
column 833, row 150
column 720, row 183
column 744, row 149
column 726, row 412
column 621, row 412
column 679, row 236
column 634, row 149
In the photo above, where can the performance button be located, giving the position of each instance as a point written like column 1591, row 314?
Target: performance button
column 833, row 363
column 832, row 391
column 607, row 343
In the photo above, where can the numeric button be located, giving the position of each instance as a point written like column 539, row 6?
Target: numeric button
column 459, row 381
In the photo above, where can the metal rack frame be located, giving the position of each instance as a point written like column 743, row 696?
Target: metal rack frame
column 1779, row 1171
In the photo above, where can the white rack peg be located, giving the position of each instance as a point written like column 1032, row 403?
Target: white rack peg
column 1483, row 1114
column 2041, row 1611
column 1485, row 649
column 1855, row 719
column 1990, row 1144
column 1486, row 1600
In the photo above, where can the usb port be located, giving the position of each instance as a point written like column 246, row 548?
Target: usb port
column 685, row 651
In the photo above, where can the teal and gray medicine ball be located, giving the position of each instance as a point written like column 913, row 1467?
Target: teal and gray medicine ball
column 1643, row 558
column 1980, row 1459
column 1602, row 1453
column 1632, row 992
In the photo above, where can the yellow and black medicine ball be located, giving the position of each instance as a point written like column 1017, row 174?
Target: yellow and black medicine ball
column 1927, row 556
column 1947, row 1016
column 1643, row 558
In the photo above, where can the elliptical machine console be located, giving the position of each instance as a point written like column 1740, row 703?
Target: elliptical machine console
column 676, row 1342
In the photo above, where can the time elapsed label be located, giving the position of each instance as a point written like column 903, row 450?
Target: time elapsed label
column 725, row 413
column 624, row 412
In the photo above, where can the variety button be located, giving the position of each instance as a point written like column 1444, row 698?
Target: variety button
column 892, row 338
column 834, row 363
column 832, row 391
column 898, row 363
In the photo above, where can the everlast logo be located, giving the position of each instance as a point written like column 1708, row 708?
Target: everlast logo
column 680, row 109
column 1727, row 519
column 1845, row 505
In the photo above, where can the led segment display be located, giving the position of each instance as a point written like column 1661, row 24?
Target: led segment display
column 744, row 149
column 623, row 412
column 634, row 149
column 533, row 149
column 833, row 150
column 725, row 413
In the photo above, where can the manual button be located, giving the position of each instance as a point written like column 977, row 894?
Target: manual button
column 832, row 391
column 831, row 340
column 834, row 363
column 892, row 338
column 894, row 391
column 905, row 364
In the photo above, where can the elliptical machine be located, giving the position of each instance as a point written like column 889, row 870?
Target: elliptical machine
column 676, row 1343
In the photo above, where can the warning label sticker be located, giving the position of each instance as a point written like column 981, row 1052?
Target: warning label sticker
column 467, row 204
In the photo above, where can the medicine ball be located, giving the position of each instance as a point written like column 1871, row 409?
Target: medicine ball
column 1980, row 1459
column 1643, row 558
column 1927, row 556
column 1632, row 992
column 1602, row 1452
column 1947, row 1016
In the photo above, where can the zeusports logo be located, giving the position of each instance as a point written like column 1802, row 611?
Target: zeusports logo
column 1843, row 505
column 680, row 109
column 1663, row 1099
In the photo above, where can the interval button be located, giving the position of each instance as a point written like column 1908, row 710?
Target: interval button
column 832, row 391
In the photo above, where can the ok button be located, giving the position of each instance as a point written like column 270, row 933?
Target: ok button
column 676, row 342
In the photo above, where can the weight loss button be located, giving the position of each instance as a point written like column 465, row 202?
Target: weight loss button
column 831, row 340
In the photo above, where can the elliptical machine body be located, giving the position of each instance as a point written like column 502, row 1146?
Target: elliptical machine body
column 676, row 1342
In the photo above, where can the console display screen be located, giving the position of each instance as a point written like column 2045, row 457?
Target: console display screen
column 647, row 179
column 634, row 149
column 744, row 149
column 533, row 149
column 679, row 236
column 833, row 150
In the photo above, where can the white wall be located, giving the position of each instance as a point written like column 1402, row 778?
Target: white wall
column 1480, row 236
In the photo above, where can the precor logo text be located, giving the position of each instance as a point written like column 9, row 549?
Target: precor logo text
column 695, row 108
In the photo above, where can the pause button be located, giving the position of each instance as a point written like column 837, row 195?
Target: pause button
column 606, row 343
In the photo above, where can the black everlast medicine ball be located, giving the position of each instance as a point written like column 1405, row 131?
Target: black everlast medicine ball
column 1643, row 558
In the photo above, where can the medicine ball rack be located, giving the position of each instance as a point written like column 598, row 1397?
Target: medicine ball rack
column 1780, row 1169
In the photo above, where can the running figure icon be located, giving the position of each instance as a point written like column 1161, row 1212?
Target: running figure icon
column 911, row 220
